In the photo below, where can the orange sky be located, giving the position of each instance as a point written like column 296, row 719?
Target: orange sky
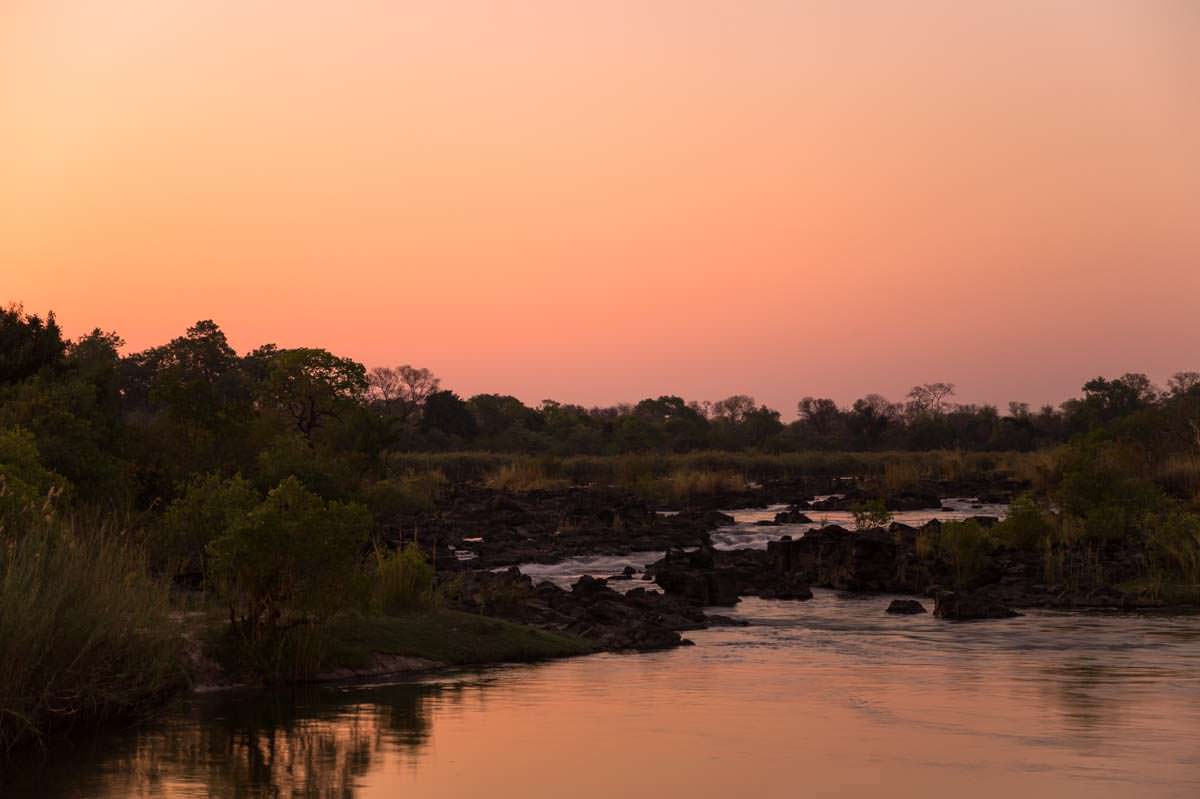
column 600, row 201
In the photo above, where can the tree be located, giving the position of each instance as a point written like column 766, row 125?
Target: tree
column 401, row 391
column 292, row 554
column 822, row 415
column 445, row 411
column 313, row 385
column 929, row 398
column 1183, row 382
column 195, row 377
column 27, row 343
column 734, row 409
column 1105, row 400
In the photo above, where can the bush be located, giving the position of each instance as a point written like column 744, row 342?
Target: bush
column 415, row 492
column 1173, row 545
column 1100, row 488
column 25, row 484
column 403, row 581
column 966, row 546
column 86, row 633
column 872, row 515
column 293, row 554
column 1026, row 525
column 207, row 508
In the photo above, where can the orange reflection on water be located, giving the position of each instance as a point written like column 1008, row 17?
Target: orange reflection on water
column 825, row 698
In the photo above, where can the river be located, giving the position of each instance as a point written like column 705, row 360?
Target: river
column 830, row 697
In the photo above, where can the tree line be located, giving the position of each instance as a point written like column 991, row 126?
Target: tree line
column 138, row 425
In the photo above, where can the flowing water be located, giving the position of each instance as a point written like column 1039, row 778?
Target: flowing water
column 830, row 697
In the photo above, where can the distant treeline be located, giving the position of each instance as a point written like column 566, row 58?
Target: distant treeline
column 136, row 426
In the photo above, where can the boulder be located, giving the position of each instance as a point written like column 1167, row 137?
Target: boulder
column 792, row 516
column 694, row 576
column 906, row 607
column 963, row 606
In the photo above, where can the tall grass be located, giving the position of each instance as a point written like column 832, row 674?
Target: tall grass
column 1180, row 475
column 85, row 633
column 905, row 468
column 523, row 475
column 403, row 581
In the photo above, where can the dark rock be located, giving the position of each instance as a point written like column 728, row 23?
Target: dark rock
column 695, row 576
column 867, row 560
column 906, row 607
column 626, row 574
column 792, row 516
column 963, row 606
column 787, row 586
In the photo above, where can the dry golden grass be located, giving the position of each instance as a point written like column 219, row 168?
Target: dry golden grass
column 523, row 475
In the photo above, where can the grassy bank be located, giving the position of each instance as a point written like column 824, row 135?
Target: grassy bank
column 445, row 636
column 354, row 642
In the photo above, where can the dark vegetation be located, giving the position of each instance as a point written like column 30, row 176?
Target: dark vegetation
column 265, row 493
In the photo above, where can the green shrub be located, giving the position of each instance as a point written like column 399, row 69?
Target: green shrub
column 25, row 484
column 207, row 508
column 294, row 554
column 1100, row 487
column 966, row 546
column 1026, row 525
column 874, row 514
column 414, row 492
column 1173, row 546
column 86, row 636
column 402, row 582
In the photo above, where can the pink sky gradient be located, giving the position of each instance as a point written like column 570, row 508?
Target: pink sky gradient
column 600, row 201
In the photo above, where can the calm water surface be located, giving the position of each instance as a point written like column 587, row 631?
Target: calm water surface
column 830, row 697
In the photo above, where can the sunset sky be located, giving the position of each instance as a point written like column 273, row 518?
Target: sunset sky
column 601, row 201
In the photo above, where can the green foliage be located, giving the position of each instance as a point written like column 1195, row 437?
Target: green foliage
column 412, row 493
column 322, row 471
column 85, row 632
column 402, row 582
column 966, row 547
column 208, row 507
column 1173, row 546
column 1026, row 526
column 311, row 386
column 294, row 554
column 874, row 514
column 28, row 343
column 25, row 484
column 1101, row 488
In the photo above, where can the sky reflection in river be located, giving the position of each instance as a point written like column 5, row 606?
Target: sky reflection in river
column 824, row 698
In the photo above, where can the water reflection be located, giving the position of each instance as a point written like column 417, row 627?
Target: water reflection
column 828, row 697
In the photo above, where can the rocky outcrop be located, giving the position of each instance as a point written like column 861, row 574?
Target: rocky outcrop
column 865, row 560
column 792, row 515
column 637, row 619
column 696, row 577
column 480, row 528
